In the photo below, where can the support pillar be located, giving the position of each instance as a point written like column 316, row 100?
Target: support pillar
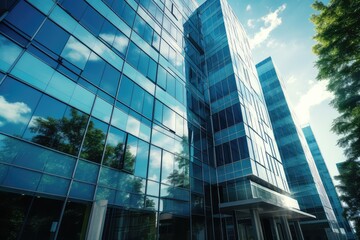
column 286, row 227
column 274, row 229
column 298, row 230
column 97, row 219
column 256, row 223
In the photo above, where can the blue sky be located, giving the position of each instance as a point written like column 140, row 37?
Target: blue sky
column 282, row 30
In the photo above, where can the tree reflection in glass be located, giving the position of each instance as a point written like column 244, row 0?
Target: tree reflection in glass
column 64, row 134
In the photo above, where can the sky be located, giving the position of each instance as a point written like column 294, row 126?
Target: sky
column 282, row 29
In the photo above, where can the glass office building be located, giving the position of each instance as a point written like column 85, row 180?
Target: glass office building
column 136, row 119
column 328, row 183
column 300, row 168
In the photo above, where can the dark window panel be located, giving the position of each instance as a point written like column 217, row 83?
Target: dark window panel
column 25, row 17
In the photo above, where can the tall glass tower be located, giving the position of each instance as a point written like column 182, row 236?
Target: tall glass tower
column 303, row 176
column 135, row 119
column 328, row 183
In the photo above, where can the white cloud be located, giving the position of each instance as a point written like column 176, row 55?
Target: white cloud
column 34, row 119
column 250, row 23
column 310, row 82
column 271, row 21
column 314, row 96
column 248, row 7
column 13, row 112
column 292, row 79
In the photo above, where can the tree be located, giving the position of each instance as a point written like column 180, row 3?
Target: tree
column 350, row 173
column 338, row 49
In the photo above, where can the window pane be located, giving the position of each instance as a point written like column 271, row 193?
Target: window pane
column 102, row 110
column 92, row 20
column 125, row 91
column 44, row 127
column 94, row 69
column 110, row 80
column 154, row 163
column 9, row 51
column 147, row 107
column 137, row 100
column 167, row 167
column 76, row 53
column 115, row 146
column 54, row 41
column 17, row 104
column 43, row 213
column 86, row 171
column 75, row 7
column 25, row 17
column 94, row 141
column 75, row 215
column 121, row 42
column 141, row 161
column 130, row 154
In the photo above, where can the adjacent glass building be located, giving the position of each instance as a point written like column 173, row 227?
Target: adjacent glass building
column 135, row 119
column 301, row 171
column 328, row 183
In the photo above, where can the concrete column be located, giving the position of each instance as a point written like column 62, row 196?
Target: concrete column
column 97, row 219
column 274, row 229
column 298, row 230
column 256, row 223
column 286, row 227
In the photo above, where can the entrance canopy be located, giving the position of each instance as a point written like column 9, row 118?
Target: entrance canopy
column 265, row 208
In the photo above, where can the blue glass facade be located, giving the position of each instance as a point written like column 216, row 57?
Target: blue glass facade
column 328, row 183
column 134, row 119
column 303, row 176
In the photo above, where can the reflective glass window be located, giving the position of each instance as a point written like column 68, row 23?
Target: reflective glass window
column 76, row 53
column 21, row 179
column 102, row 110
column 82, row 191
column 75, row 7
column 167, row 167
column 142, row 62
column 123, row 10
column 42, row 214
column 33, row 71
column 137, row 100
column 94, row 141
column 119, row 119
column 161, row 77
column 130, row 154
column 154, row 163
column 86, row 171
column 94, row 69
column 92, row 20
column 169, row 118
column 45, row 123
column 141, row 160
column 53, row 185
column 126, row 90
column 25, row 17
column 108, row 32
column 75, row 215
column 57, row 38
column 147, row 107
column 115, row 147
column 110, row 80
column 9, row 51
column 18, row 103
column 121, row 43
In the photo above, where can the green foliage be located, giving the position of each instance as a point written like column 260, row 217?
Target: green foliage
column 337, row 28
column 63, row 134
column 349, row 187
